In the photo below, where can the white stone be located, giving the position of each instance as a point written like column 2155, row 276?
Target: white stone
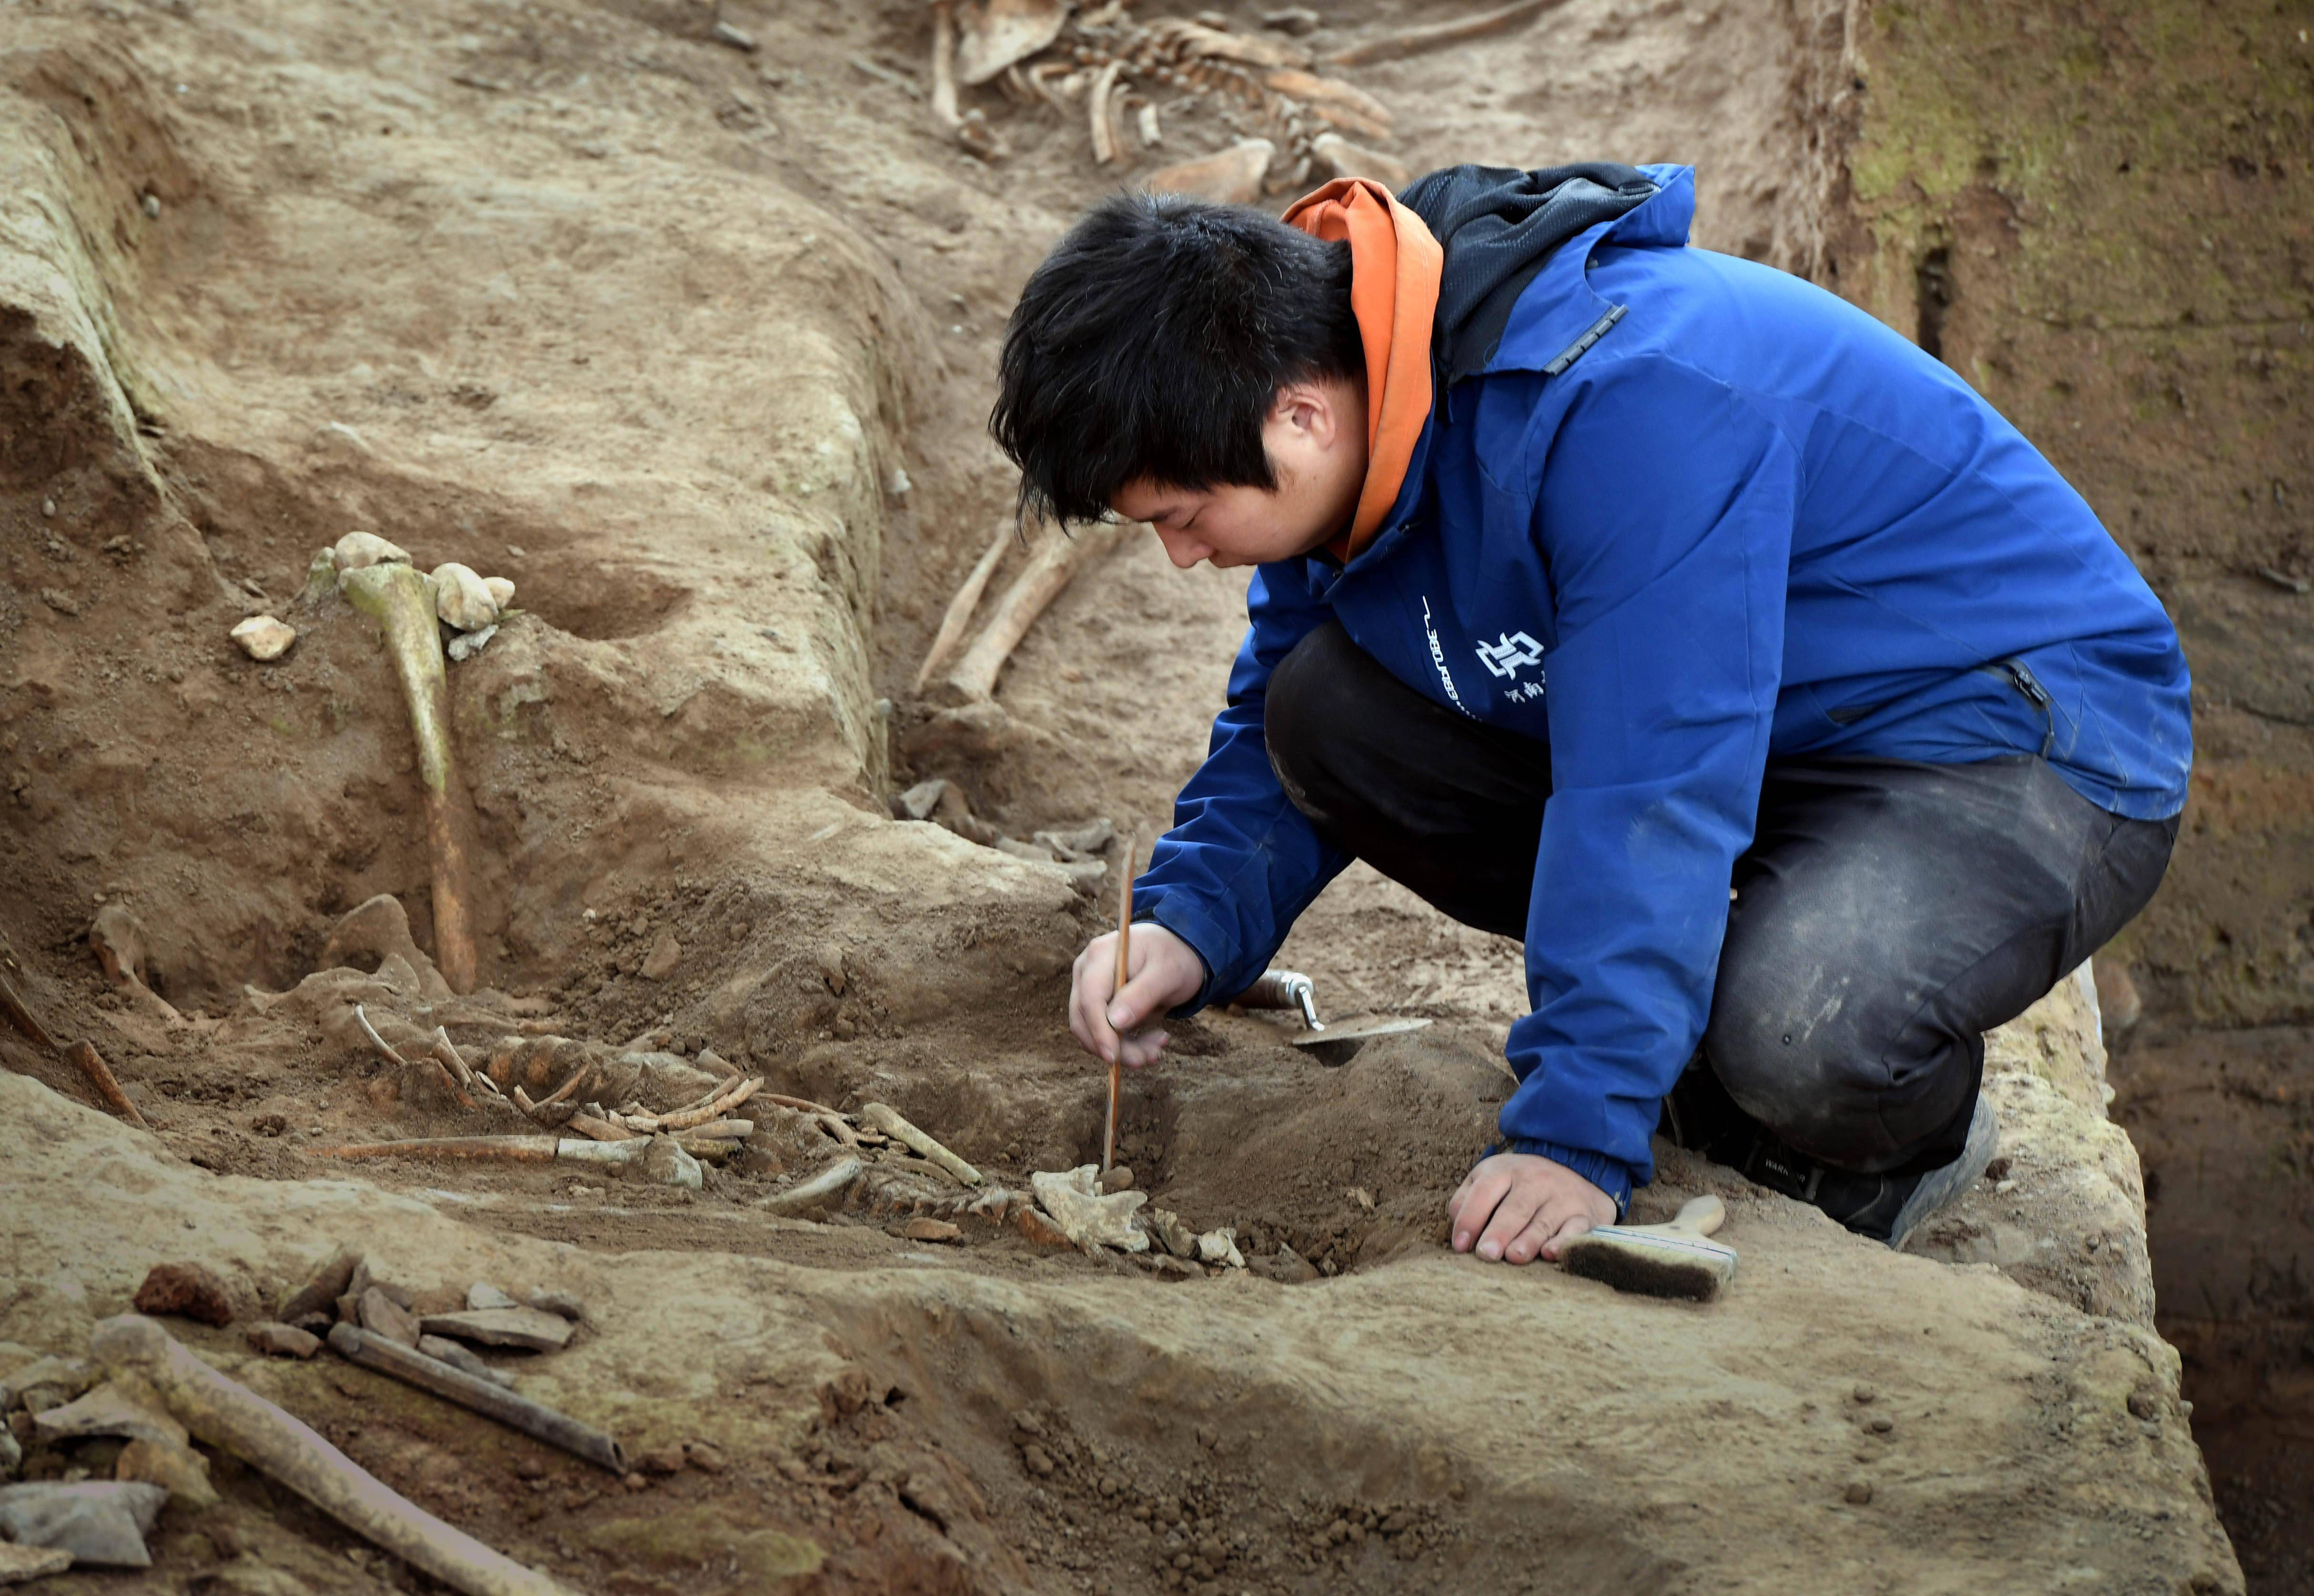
column 359, row 550
column 261, row 636
column 461, row 599
column 467, row 644
column 501, row 591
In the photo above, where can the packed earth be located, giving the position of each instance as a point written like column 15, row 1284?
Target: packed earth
column 513, row 645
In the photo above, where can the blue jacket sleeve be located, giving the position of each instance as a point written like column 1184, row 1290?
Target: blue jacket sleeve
column 1242, row 862
column 1664, row 513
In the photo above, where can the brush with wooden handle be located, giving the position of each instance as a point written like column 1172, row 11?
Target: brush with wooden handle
column 1672, row 1260
column 1124, row 973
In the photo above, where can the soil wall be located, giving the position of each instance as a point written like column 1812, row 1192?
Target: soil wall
column 2103, row 216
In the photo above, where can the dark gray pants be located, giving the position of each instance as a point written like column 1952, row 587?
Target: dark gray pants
column 1887, row 913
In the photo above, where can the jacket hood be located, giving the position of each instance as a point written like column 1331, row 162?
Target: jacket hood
column 1498, row 227
column 1394, row 277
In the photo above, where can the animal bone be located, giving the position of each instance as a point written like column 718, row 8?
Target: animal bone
column 968, row 599
column 485, row 1397
column 1097, row 109
column 996, row 33
column 1233, row 177
column 888, row 1121
column 396, row 595
column 91, row 1063
column 1055, row 564
column 1432, row 36
column 943, row 100
column 1088, row 1217
column 830, row 1183
column 228, row 1415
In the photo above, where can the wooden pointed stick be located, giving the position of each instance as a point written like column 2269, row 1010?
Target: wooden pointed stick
column 1124, row 974
column 944, row 66
column 967, row 600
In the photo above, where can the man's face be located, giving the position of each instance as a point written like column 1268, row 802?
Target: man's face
column 1316, row 438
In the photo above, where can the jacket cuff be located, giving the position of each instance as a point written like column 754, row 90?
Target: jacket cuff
column 1611, row 1175
column 1203, row 936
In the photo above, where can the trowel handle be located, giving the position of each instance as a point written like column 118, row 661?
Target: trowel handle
column 1282, row 989
column 1702, row 1215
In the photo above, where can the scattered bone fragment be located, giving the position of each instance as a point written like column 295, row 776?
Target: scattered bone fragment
column 462, row 1357
column 943, row 99
column 731, row 38
column 112, row 1408
column 174, row 1467
column 1233, row 177
column 925, row 1229
column 667, row 1164
column 1170, row 1233
column 359, row 550
column 1055, row 563
column 262, row 638
column 1085, row 1215
column 117, row 938
column 825, row 1188
column 83, row 1056
column 193, row 1291
column 1075, row 843
column 322, row 1288
column 467, row 644
column 19, row 1564
column 45, row 1383
column 960, row 608
column 888, row 1120
column 480, row 1394
column 99, row 1522
column 1101, row 115
column 555, row 1300
column 1297, row 20
column 397, row 596
column 1290, row 1267
column 1413, row 41
column 461, row 598
column 482, row 1295
column 381, row 1315
column 224, row 1414
column 993, row 34
column 529, row 1328
column 1032, row 1222
column 12, row 1454
column 277, row 1340
column 1220, row 1246
column 1339, row 157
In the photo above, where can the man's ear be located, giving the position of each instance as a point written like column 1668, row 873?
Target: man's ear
column 1310, row 409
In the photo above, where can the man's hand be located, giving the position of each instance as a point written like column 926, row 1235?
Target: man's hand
column 1516, row 1204
column 1166, row 973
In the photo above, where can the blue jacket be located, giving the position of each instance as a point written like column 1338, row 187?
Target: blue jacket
column 1745, row 520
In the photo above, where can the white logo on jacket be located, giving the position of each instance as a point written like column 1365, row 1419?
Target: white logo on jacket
column 1438, row 657
column 1506, row 654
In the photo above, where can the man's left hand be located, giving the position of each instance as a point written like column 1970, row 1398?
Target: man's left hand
column 1515, row 1205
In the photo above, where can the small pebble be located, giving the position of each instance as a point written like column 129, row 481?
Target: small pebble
column 1858, row 1491
column 1116, row 1178
column 1864, row 1393
column 48, row 507
column 262, row 638
column 1881, row 1425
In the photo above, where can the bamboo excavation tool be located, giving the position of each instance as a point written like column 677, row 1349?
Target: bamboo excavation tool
column 1124, row 973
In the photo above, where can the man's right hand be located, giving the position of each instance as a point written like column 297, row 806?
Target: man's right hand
column 1165, row 972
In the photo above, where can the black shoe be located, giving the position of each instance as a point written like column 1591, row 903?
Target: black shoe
column 1700, row 1116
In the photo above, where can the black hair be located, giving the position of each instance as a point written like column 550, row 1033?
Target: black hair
column 1151, row 343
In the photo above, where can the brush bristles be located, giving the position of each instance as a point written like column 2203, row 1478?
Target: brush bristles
column 1647, row 1273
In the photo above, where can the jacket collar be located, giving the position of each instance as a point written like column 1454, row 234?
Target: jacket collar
column 1560, row 307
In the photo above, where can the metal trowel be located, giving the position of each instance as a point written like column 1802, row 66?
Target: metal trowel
column 1338, row 1042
